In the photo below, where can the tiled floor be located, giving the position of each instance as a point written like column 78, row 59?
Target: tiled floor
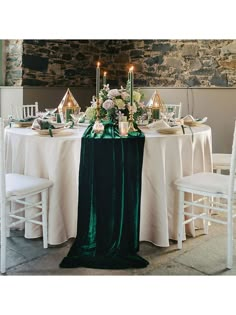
column 202, row 255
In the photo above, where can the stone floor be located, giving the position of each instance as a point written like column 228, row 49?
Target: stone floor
column 200, row 256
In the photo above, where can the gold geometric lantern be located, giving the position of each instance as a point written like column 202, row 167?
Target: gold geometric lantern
column 68, row 106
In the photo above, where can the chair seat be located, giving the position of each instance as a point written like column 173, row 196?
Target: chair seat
column 19, row 185
column 205, row 182
column 221, row 160
column 15, row 207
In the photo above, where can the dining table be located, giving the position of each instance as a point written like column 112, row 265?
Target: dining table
column 166, row 157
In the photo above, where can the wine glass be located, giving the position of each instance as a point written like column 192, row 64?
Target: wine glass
column 77, row 118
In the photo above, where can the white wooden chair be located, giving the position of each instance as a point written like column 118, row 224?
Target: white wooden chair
column 15, row 189
column 176, row 108
column 24, row 111
column 221, row 162
column 210, row 187
column 16, row 111
column 30, row 110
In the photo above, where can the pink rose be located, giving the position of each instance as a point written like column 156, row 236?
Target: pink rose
column 108, row 104
column 113, row 93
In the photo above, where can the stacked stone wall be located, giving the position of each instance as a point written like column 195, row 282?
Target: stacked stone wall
column 166, row 63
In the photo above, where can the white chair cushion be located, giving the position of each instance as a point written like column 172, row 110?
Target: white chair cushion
column 17, row 184
column 221, row 160
column 208, row 182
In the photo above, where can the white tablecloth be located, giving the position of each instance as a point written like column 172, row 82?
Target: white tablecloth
column 166, row 158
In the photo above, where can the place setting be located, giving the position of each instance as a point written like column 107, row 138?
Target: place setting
column 163, row 119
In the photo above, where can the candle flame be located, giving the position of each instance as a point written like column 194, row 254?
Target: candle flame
column 155, row 105
column 131, row 68
column 98, row 64
column 105, row 73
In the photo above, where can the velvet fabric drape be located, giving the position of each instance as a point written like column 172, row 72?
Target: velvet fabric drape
column 109, row 201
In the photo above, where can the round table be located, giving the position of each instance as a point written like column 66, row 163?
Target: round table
column 166, row 158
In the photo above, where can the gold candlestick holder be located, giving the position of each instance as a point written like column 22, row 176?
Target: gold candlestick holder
column 98, row 127
column 131, row 120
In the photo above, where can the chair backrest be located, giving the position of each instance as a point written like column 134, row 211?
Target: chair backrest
column 233, row 164
column 176, row 108
column 16, row 111
column 24, row 111
column 2, row 167
column 30, row 110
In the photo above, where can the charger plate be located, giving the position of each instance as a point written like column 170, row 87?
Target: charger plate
column 57, row 125
column 192, row 123
column 170, row 130
column 197, row 122
column 19, row 124
column 55, row 132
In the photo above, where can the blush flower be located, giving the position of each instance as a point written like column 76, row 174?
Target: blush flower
column 134, row 108
column 125, row 96
column 113, row 93
column 108, row 104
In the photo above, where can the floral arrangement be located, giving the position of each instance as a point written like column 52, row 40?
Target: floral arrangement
column 115, row 103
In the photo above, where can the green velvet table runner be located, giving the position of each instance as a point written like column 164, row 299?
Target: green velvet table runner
column 109, row 201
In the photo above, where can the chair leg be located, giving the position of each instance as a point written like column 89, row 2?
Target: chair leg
column 8, row 222
column 229, row 236
column 205, row 221
column 44, row 217
column 3, row 241
column 180, row 219
column 218, row 171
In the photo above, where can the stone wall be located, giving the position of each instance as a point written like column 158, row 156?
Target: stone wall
column 13, row 55
column 166, row 63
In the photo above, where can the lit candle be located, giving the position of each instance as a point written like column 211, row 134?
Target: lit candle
column 104, row 78
column 97, row 80
column 69, row 111
column 155, row 111
column 156, row 101
column 58, row 118
column 131, row 84
column 123, row 128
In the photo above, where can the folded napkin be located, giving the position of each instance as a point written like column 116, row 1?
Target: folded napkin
column 189, row 119
column 40, row 123
column 160, row 124
column 27, row 119
column 43, row 124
